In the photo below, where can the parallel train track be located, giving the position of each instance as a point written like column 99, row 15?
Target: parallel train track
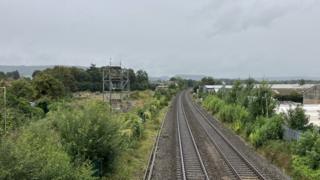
column 241, row 167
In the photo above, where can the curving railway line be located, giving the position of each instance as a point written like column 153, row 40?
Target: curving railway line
column 187, row 117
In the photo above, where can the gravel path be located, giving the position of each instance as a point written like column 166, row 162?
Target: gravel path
column 165, row 162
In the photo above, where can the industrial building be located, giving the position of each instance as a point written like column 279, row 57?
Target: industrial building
column 310, row 92
column 312, row 95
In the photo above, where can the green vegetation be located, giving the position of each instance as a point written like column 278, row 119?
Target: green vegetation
column 52, row 135
column 250, row 112
column 296, row 118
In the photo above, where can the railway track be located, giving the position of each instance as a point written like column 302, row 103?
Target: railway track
column 241, row 167
column 190, row 164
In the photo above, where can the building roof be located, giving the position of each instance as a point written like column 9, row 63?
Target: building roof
column 273, row 86
column 291, row 86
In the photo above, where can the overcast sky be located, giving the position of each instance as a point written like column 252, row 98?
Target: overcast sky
column 222, row 38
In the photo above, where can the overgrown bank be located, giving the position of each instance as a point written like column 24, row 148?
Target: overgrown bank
column 249, row 112
column 81, row 139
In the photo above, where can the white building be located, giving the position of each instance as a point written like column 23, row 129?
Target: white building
column 311, row 110
column 215, row 88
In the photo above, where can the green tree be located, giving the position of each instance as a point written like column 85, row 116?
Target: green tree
column 22, row 88
column 261, row 102
column 296, row 118
column 133, row 79
column 64, row 75
column 13, row 75
column 208, row 81
column 95, row 74
column 47, row 86
column 302, row 82
column 142, row 80
column 235, row 94
column 2, row 75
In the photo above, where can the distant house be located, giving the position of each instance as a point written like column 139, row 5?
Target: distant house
column 215, row 88
column 312, row 95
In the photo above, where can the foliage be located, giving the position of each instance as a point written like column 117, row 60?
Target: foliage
column 142, row 80
column 79, row 79
column 306, row 162
column 65, row 76
column 13, row 75
column 262, row 102
column 88, row 132
column 47, row 86
column 22, row 88
column 266, row 129
column 263, row 128
column 259, row 130
column 208, row 81
column 296, row 118
column 131, row 127
column 38, row 154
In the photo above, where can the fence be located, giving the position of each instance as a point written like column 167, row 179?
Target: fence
column 290, row 134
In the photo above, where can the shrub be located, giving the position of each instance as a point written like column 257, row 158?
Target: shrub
column 266, row 129
column 213, row 104
column 88, row 132
column 302, row 170
column 296, row 118
column 131, row 126
column 37, row 153
column 226, row 113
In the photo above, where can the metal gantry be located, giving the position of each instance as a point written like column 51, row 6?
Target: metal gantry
column 115, row 85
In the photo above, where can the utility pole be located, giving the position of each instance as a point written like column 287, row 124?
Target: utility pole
column 110, row 86
column 102, row 84
column 5, row 108
column 267, row 108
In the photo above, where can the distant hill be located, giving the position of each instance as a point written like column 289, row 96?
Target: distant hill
column 25, row 71
column 183, row 76
column 285, row 78
column 190, row 76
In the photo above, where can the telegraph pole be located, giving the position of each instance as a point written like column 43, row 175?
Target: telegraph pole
column 5, row 108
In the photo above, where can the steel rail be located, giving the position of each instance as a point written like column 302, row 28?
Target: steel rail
column 183, row 164
column 242, row 157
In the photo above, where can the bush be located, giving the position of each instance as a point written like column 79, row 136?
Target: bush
column 266, row 129
column 213, row 104
column 307, row 151
column 37, row 153
column 131, row 127
column 88, row 132
column 296, row 118
column 226, row 113
column 302, row 170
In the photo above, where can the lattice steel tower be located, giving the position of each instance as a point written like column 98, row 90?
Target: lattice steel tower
column 116, row 86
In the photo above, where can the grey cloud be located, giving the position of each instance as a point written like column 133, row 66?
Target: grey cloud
column 165, row 37
column 228, row 16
